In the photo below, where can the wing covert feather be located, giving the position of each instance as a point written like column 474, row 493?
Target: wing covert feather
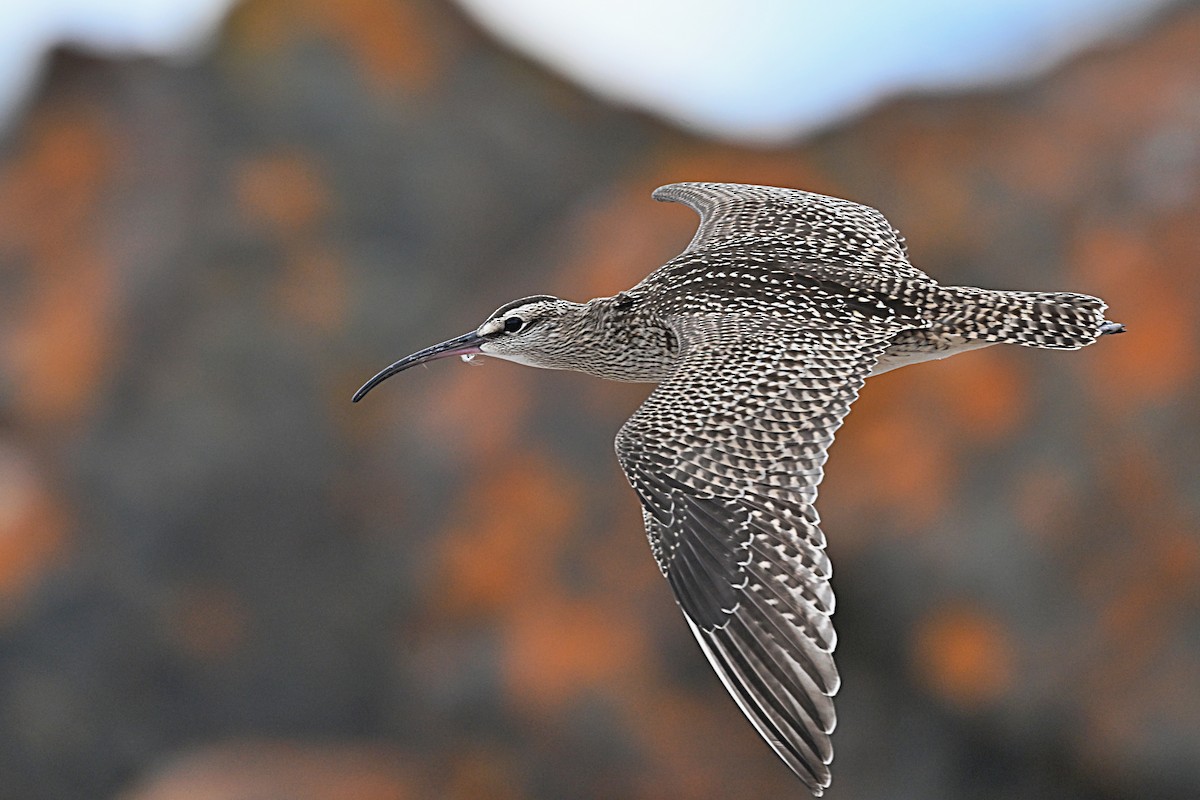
column 810, row 227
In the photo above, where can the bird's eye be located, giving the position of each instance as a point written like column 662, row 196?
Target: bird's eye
column 513, row 324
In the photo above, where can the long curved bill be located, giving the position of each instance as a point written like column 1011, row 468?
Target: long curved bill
column 467, row 344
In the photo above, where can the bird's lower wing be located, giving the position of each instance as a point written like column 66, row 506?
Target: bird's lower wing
column 726, row 456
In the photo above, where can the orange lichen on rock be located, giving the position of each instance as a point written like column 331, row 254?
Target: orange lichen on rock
column 619, row 240
column 1047, row 503
column 394, row 45
column 901, row 461
column 260, row 26
column 285, row 196
column 64, row 341
column 33, row 529
column 1178, row 560
column 626, row 235
column 695, row 738
column 282, row 192
column 1039, row 163
column 501, row 559
column 58, row 342
column 240, row 769
column 448, row 412
column 931, row 166
column 51, row 186
column 501, row 549
column 985, row 395
column 477, row 773
column 559, row 646
column 964, row 655
column 312, row 290
column 1157, row 360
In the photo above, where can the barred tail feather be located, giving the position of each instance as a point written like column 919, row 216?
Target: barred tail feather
column 1056, row 320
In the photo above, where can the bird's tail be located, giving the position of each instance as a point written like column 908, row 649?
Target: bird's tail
column 1057, row 320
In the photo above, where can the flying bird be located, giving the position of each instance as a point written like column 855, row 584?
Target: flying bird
column 760, row 335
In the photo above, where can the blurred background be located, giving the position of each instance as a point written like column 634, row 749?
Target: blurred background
column 219, row 580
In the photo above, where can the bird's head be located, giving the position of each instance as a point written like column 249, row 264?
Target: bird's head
column 539, row 331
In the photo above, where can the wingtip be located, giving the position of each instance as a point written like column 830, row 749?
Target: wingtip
column 677, row 192
column 1111, row 328
column 662, row 193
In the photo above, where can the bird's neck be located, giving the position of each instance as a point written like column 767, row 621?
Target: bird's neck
column 620, row 341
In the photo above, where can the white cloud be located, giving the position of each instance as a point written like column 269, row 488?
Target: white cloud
column 763, row 70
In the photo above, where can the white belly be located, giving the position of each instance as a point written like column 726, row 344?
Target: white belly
column 913, row 347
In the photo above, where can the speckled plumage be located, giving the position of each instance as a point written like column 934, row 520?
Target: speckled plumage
column 760, row 335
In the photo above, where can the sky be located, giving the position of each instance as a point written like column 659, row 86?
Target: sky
column 756, row 71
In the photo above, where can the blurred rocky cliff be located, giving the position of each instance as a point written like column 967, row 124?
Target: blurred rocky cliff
column 218, row 579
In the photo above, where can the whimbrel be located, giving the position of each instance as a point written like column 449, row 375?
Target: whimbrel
column 759, row 336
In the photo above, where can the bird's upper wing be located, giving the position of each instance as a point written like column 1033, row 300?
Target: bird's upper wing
column 803, row 225
column 726, row 455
